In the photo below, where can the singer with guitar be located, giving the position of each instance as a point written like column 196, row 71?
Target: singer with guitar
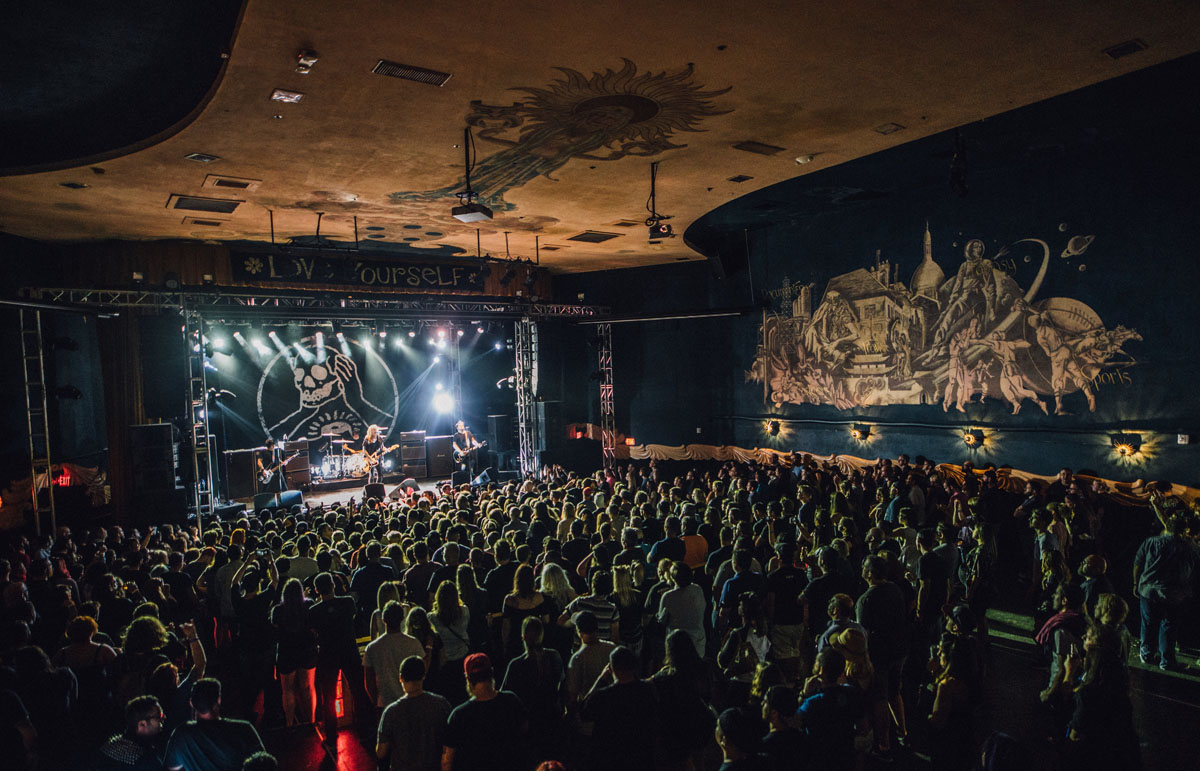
column 373, row 451
column 466, row 447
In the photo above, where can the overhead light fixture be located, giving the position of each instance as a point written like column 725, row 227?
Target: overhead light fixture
column 1126, row 445
column 171, row 281
column 291, row 97
column 973, row 438
column 508, row 276
column 469, row 209
column 658, row 228
column 138, row 278
column 305, row 61
column 860, row 432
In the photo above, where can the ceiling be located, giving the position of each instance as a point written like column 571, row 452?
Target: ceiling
column 569, row 104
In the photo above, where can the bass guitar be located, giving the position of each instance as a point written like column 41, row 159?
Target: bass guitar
column 265, row 475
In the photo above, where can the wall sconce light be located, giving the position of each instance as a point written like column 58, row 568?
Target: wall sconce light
column 973, row 438
column 773, row 427
column 138, row 278
column 1126, row 444
column 630, row 441
column 860, row 432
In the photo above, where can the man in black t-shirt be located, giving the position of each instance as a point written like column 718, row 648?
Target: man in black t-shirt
column 785, row 612
column 623, row 709
column 487, row 732
column 332, row 618
column 210, row 742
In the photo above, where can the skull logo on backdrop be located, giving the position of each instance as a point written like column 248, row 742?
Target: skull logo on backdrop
column 305, row 395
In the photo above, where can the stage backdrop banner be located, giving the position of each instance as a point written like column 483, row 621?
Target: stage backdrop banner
column 358, row 272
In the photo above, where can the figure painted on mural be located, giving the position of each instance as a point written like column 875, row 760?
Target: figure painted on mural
column 832, row 325
column 1065, row 373
column 971, row 291
column 1012, row 382
column 959, row 381
column 331, row 400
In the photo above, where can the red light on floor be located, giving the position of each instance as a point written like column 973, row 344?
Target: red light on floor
column 339, row 704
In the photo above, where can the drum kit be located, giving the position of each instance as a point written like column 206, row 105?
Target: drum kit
column 340, row 462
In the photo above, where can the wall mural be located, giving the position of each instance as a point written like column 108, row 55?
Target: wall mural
column 611, row 115
column 307, row 396
column 873, row 340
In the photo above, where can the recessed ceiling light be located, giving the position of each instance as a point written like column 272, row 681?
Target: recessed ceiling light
column 888, row 128
column 803, row 159
column 291, row 97
column 277, row 117
column 202, row 157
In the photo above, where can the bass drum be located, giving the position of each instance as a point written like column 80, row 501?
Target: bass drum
column 354, row 466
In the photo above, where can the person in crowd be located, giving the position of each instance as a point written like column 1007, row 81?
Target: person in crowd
column 537, row 677
column 739, row 735
column 683, row 607
column 210, row 742
column 135, row 747
column 295, row 654
column 622, row 708
column 412, row 727
column 382, row 658
column 1164, row 575
column 524, row 602
column 486, row 733
column 784, row 745
column 332, row 619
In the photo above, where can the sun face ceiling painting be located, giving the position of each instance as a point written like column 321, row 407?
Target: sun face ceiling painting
column 568, row 108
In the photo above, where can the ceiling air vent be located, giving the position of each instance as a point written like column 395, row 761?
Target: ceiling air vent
column 1121, row 50
column 888, row 128
column 759, row 148
column 202, row 222
column 550, row 248
column 210, row 205
column 594, row 237
column 627, row 224
column 231, row 183
column 409, row 72
column 740, row 178
column 202, row 157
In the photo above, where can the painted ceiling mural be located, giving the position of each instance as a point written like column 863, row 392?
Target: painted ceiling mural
column 946, row 339
column 611, row 115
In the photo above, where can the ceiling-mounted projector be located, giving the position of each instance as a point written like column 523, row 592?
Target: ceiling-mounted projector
column 471, row 212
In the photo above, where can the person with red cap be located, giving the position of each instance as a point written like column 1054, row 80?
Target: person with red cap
column 487, row 733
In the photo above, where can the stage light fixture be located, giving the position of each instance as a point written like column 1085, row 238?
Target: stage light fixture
column 441, row 333
column 412, row 333
column 209, row 365
column 479, row 330
column 461, row 332
column 438, row 387
column 499, row 346
column 437, row 359
column 508, row 276
column 443, row 402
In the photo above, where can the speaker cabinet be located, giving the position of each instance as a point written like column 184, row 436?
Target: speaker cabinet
column 440, row 455
column 550, row 433
column 501, row 433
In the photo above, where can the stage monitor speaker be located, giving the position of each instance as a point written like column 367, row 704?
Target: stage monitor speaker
column 501, row 437
column 285, row 500
column 460, row 477
column 551, row 433
column 374, row 490
column 230, row 511
column 504, row 477
column 403, row 488
column 487, row 476
column 440, row 455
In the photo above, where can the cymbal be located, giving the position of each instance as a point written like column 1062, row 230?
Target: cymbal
column 326, row 436
column 343, row 441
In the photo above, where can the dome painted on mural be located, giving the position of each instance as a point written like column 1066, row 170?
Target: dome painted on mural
column 928, row 275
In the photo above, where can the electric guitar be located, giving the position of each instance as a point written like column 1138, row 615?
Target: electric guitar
column 372, row 459
column 460, row 454
column 265, row 475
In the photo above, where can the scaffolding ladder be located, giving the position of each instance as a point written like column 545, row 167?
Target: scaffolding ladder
column 526, row 339
column 608, row 418
column 37, row 413
column 203, row 498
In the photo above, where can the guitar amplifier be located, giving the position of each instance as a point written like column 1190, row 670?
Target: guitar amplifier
column 298, row 470
column 440, row 455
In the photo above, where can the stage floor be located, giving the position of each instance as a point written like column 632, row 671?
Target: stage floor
column 340, row 492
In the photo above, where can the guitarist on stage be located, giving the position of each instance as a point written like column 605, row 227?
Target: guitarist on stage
column 373, row 452
column 270, row 458
column 465, row 446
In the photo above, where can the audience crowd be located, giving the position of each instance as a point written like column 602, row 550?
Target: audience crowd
column 799, row 614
